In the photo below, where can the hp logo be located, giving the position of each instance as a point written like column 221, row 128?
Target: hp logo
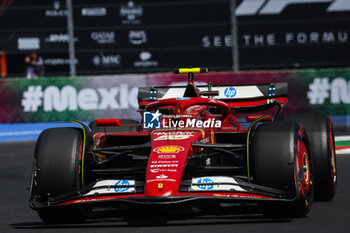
column 207, row 184
column 121, row 183
column 230, row 92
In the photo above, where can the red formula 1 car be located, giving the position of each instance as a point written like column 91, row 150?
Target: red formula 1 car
column 194, row 145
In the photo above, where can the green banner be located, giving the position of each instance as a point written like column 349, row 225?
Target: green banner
column 115, row 96
column 64, row 99
column 327, row 89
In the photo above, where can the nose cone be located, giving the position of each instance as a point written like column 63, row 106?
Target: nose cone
column 169, row 155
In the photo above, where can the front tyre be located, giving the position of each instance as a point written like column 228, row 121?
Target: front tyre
column 319, row 129
column 57, row 171
column 281, row 159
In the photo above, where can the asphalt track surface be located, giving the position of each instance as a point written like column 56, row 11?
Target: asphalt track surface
column 16, row 216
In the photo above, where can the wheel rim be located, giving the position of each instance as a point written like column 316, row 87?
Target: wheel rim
column 333, row 163
column 303, row 173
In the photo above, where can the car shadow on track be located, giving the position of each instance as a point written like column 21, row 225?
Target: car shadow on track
column 158, row 217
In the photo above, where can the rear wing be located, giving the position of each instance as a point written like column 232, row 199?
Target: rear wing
column 234, row 95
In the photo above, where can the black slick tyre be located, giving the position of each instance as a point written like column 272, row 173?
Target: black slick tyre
column 319, row 129
column 57, row 171
column 281, row 160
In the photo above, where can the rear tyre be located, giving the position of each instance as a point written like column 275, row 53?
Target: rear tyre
column 281, row 160
column 96, row 129
column 57, row 171
column 319, row 129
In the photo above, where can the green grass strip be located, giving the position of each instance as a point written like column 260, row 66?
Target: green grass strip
column 345, row 143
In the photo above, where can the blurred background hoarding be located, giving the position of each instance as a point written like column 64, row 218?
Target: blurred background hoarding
column 117, row 46
column 107, row 96
column 146, row 36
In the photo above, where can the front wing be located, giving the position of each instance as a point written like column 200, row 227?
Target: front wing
column 125, row 192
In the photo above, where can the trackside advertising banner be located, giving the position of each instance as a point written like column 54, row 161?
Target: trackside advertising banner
column 88, row 98
column 64, row 99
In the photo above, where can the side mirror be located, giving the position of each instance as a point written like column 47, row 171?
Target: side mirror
column 251, row 118
column 108, row 122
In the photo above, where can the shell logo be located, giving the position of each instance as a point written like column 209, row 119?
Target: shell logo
column 169, row 149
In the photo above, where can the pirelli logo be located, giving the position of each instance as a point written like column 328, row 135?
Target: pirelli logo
column 276, row 7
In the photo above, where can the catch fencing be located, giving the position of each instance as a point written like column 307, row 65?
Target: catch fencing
column 145, row 36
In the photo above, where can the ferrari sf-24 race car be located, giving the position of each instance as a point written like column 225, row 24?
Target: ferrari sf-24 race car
column 193, row 146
